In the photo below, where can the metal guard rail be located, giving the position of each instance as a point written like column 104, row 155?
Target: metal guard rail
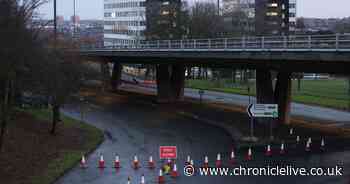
column 337, row 42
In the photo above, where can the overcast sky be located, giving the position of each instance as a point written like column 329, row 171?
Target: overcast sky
column 93, row 9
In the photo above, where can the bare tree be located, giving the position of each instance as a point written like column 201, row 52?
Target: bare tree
column 204, row 22
column 18, row 50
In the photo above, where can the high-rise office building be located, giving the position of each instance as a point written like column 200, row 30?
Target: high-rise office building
column 164, row 19
column 269, row 17
column 124, row 21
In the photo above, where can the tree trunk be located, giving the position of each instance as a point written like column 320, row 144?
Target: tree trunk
column 199, row 74
column 4, row 115
column 55, row 118
column 206, row 74
column 349, row 85
column 299, row 84
column 148, row 72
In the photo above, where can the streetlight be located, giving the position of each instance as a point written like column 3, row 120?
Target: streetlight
column 55, row 21
column 74, row 18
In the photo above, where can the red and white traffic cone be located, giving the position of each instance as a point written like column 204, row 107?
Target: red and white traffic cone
column 282, row 150
column 310, row 141
column 188, row 160
column 116, row 162
column 323, row 145
column 307, row 147
column 135, row 163
column 232, row 158
column 192, row 163
column 83, row 163
column 249, row 155
column 291, row 131
column 129, row 180
column 143, row 179
column 218, row 160
column 174, row 172
column 268, row 151
column 298, row 139
column 206, row 162
column 101, row 162
column 151, row 163
column 161, row 178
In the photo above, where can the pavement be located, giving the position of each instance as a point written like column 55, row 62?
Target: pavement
column 337, row 117
column 139, row 127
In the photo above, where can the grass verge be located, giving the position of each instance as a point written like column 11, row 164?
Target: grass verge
column 332, row 93
column 37, row 157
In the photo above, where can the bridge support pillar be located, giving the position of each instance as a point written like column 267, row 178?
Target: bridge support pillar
column 170, row 83
column 116, row 76
column 283, row 96
column 105, row 75
column 178, row 81
column 264, row 86
column 164, row 91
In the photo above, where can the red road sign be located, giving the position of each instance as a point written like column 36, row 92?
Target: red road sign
column 168, row 152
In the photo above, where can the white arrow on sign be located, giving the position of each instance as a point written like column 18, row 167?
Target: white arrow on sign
column 263, row 110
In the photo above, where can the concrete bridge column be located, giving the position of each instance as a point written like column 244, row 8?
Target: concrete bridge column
column 170, row 83
column 116, row 76
column 264, row 86
column 178, row 81
column 283, row 96
column 105, row 75
column 164, row 88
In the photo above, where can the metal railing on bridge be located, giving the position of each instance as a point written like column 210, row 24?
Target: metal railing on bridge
column 336, row 42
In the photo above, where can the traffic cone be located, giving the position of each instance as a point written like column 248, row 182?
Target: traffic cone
column 174, row 172
column 161, row 179
column 136, row 163
column 298, row 139
column 307, row 147
column 323, row 145
column 151, row 163
column 188, row 161
column 310, row 141
column 232, row 158
column 249, row 155
column 101, row 162
column 192, row 163
column 282, row 150
column 218, row 160
column 143, row 179
column 83, row 163
column 116, row 162
column 129, row 180
column 268, row 151
column 291, row 131
column 206, row 162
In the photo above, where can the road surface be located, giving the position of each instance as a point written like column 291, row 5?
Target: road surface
column 139, row 127
column 341, row 118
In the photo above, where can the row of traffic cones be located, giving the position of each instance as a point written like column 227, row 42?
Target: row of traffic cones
column 151, row 164
column 249, row 155
column 101, row 163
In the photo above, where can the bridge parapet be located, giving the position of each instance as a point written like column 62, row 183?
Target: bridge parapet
column 336, row 42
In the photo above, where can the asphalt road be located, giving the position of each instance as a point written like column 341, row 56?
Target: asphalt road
column 340, row 118
column 139, row 128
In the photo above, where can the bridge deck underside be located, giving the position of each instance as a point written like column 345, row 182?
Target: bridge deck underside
column 298, row 61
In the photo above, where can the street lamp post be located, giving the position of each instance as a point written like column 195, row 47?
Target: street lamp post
column 74, row 18
column 55, row 21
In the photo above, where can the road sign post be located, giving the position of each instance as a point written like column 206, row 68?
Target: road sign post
column 262, row 111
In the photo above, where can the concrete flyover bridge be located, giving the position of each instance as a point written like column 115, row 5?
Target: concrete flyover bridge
column 281, row 54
